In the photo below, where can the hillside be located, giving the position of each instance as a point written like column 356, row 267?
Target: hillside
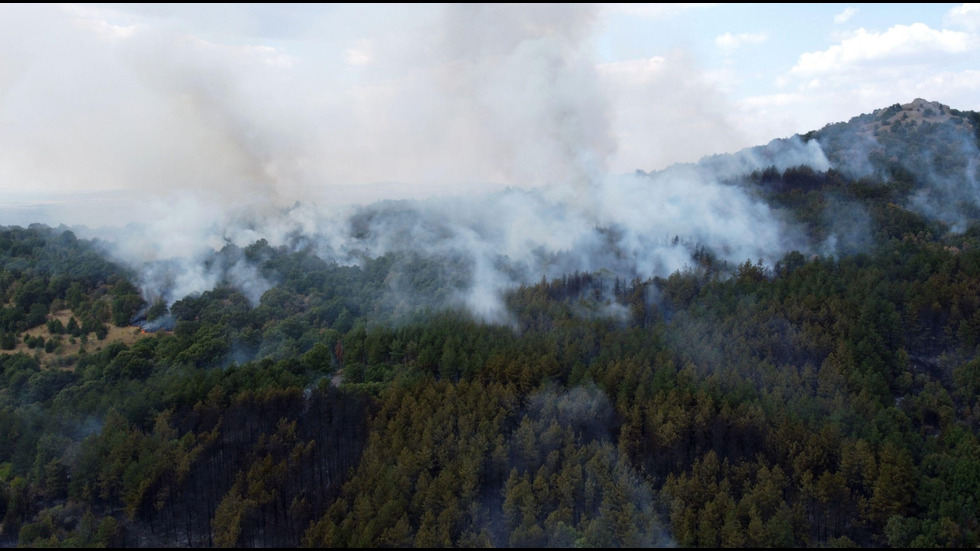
column 892, row 119
column 800, row 368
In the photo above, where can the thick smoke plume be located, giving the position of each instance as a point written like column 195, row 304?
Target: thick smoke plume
column 496, row 118
column 636, row 225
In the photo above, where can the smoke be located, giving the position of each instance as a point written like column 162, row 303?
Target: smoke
column 667, row 109
column 490, row 124
column 524, row 79
column 924, row 145
column 127, row 101
column 183, row 249
column 782, row 154
column 952, row 194
column 574, row 429
column 636, row 226
column 848, row 228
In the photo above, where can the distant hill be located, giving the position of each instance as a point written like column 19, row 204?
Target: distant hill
column 923, row 137
column 891, row 119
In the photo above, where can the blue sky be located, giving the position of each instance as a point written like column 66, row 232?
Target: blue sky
column 284, row 102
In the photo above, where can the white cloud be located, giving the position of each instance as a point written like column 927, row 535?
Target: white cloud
column 867, row 70
column 845, row 16
column 965, row 16
column 762, row 103
column 964, row 86
column 916, row 43
column 817, row 103
column 730, row 42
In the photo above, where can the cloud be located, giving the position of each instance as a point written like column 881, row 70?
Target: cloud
column 902, row 44
column 801, row 109
column 845, row 16
column 965, row 16
column 869, row 69
column 729, row 42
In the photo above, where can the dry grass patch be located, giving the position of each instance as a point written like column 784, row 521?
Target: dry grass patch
column 66, row 353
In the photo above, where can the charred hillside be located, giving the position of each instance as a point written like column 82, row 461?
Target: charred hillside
column 777, row 347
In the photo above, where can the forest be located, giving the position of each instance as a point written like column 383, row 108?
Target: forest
column 829, row 398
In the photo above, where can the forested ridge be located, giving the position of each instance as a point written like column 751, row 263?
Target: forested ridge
column 829, row 398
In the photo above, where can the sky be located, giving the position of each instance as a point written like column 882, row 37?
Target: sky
column 273, row 104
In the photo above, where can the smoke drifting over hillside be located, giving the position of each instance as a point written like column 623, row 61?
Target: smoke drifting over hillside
column 211, row 144
column 926, row 145
column 519, row 94
column 630, row 225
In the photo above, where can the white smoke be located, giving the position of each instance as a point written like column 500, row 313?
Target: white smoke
column 636, row 226
column 210, row 142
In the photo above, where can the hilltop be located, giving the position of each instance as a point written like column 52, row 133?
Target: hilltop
column 924, row 138
column 919, row 111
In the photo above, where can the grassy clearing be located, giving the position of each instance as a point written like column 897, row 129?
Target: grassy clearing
column 65, row 355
